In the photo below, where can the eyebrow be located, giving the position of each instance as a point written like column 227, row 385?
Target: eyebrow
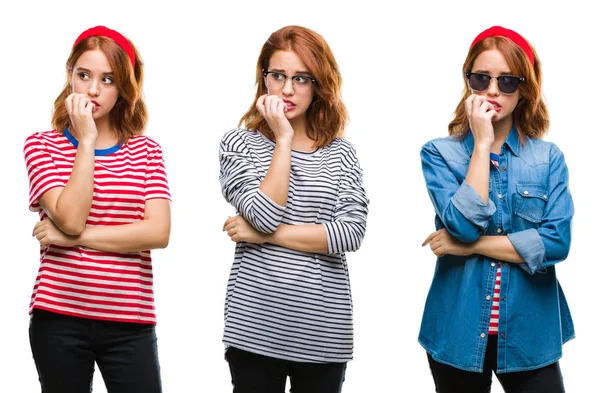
column 85, row 69
column 297, row 73
column 487, row 72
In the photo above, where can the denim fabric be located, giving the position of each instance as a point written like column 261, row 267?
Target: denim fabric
column 530, row 202
column 65, row 349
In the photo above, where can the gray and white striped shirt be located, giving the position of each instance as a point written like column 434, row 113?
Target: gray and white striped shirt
column 280, row 302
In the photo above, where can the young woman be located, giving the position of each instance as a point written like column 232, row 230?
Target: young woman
column 297, row 187
column 101, row 192
column 503, row 214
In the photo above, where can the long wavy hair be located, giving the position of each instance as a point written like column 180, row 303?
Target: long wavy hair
column 531, row 114
column 326, row 116
column 129, row 116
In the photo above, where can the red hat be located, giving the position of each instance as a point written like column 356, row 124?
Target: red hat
column 102, row 31
column 510, row 34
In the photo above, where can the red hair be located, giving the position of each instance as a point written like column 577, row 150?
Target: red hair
column 326, row 116
column 129, row 115
column 531, row 114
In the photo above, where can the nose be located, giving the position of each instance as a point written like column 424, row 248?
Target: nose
column 94, row 88
column 288, row 87
column 492, row 89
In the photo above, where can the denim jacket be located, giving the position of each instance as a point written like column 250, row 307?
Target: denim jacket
column 530, row 202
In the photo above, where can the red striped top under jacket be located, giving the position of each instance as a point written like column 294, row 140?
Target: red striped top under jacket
column 81, row 281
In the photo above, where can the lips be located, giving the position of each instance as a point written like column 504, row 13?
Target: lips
column 290, row 104
column 497, row 106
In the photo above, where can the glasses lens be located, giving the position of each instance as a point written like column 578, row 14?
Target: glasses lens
column 275, row 81
column 479, row 82
column 508, row 84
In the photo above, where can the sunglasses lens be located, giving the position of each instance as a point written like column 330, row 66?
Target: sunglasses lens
column 508, row 84
column 479, row 82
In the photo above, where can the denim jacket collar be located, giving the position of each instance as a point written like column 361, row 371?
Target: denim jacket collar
column 512, row 141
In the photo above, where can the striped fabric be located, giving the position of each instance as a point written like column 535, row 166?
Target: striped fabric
column 495, row 314
column 283, row 303
column 81, row 281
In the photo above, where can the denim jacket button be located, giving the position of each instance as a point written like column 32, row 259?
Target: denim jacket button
column 503, row 298
column 499, row 196
column 493, row 264
column 482, row 335
column 503, row 335
column 488, row 297
column 499, row 230
column 526, row 192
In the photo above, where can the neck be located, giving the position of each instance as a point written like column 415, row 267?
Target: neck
column 501, row 131
column 107, row 136
column 301, row 141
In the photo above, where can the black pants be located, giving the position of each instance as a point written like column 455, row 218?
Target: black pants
column 65, row 349
column 449, row 379
column 252, row 373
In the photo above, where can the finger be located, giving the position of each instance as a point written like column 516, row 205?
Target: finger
column 227, row 221
column 491, row 112
column 40, row 235
column 469, row 105
column 83, row 104
column 37, row 229
column 232, row 232
column 45, row 241
column 273, row 104
column 230, row 226
column 429, row 238
column 477, row 101
column 69, row 104
column 437, row 243
column 36, row 226
column 281, row 108
column 260, row 105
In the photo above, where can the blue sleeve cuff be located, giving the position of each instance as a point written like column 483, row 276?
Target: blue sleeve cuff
column 530, row 247
column 468, row 202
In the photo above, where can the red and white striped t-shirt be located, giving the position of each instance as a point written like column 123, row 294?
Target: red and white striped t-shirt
column 495, row 314
column 81, row 281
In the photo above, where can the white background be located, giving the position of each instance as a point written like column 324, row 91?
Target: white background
column 402, row 80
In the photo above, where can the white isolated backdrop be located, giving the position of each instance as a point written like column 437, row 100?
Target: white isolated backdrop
column 401, row 64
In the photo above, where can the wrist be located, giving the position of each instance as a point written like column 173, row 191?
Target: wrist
column 474, row 248
column 78, row 240
column 86, row 143
column 268, row 238
column 285, row 140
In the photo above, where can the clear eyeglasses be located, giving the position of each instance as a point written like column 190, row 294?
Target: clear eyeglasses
column 276, row 80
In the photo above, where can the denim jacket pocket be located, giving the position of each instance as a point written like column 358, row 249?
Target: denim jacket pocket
column 531, row 201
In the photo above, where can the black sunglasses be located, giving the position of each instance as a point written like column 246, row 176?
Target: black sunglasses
column 507, row 84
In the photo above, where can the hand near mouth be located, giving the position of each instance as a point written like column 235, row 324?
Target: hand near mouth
column 273, row 109
column 80, row 108
column 480, row 113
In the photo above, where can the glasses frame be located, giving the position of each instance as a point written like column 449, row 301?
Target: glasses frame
column 266, row 73
column 519, row 78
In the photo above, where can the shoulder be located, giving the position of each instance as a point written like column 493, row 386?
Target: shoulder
column 43, row 139
column 341, row 146
column 447, row 142
column 240, row 138
column 143, row 142
column 542, row 150
column 449, row 147
column 43, row 136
